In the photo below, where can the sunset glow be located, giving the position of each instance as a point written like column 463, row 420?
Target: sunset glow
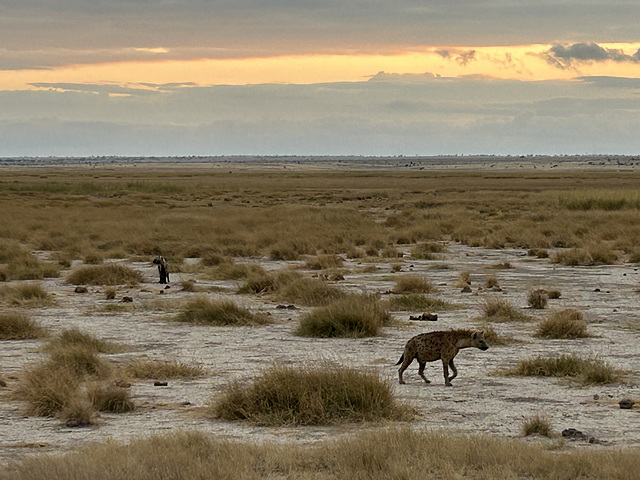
column 528, row 63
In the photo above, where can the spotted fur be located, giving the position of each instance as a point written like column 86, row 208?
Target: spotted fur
column 442, row 345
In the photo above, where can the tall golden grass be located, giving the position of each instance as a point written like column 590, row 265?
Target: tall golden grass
column 284, row 215
column 379, row 455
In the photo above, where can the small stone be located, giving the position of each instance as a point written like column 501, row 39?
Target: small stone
column 626, row 403
column 596, row 397
column 160, row 384
column 466, row 289
column 81, row 290
column 126, row 300
column 3, row 383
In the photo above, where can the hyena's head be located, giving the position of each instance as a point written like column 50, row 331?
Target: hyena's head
column 158, row 261
column 477, row 340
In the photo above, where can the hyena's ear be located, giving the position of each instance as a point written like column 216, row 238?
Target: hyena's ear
column 474, row 335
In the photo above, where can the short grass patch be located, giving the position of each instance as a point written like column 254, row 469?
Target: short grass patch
column 566, row 323
column 538, row 298
column 203, row 311
column 537, row 425
column 74, row 337
column 108, row 274
column 26, row 295
column 355, row 316
column 413, row 284
column 164, row 369
column 496, row 309
column 317, row 395
column 19, row 326
column 416, row 302
column 592, row 371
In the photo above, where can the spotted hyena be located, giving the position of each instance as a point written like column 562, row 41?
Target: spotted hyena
column 163, row 269
column 443, row 345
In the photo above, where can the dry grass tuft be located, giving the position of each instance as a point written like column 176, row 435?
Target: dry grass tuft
column 73, row 337
column 376, row 455
column 109, row 274
column 415, row 302
column 567, row 323
column 586, row 371
column 26, row 295
column 324, row 262
column 202, row 311
column 18, row 326
column 538, row 298
column 354, row 316
column 498, row 309
column 317, row 395
column 427, row 251
column 494, row 338
column 413, row 284
column 573, row 257
column 164, row 370
column 106, row 397
column 537, row 425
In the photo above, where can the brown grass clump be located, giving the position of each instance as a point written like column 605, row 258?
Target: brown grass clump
column 109, row 274
column 567, row 323
column 107, row 397
column 18, row 326
column 354, row 316
column 324, row 262
column 164, row 370
column 585, row 371
column 309, row 291
column 416, row 302
column 74, row 337
column 573, row 257
column 537, row 425
column 491, row 282
column 413, row 284
column 538, row 298
column 25, row 295
column 493, row 338
column 498, row 309
column 427, row 251
column 318, row 395
column 376, row 455
column 202, row 311
column 464, row 279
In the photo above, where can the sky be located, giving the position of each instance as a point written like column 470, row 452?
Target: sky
column 319, row 77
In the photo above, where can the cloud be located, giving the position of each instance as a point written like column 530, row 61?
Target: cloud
column 563, row 56
column 465, row 57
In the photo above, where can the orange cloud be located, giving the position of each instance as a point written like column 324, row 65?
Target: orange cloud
column 528, row 62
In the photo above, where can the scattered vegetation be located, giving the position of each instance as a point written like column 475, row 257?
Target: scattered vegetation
column 164, row 369
column 537, row 425
column 567, row 323
column 353, row 316
column 105, row 397
column 416, row 302
column 427, row 251
column 74, row 337
column 464, row 279
column 498, row 309
column 26, row 295
column 317, row 395
column 202, row 311
column 376, row 455
column 19, row 326
column 493, row 338
column 109, row 274
column 593, row 371
column 413, row 284
column 324, row 262
column 491, row 283
column 538, row 298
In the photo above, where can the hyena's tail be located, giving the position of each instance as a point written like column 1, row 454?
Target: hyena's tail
column 401, row 360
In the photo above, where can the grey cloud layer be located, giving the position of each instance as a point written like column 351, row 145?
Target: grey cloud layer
column 386, row 116
column 299, row 26
column 564, row 56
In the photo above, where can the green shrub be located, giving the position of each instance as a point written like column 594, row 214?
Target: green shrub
column 202, row 311
column 354, row 316
column 108, row 274
column 18, row 326
column 563, row 324
column 317, row 395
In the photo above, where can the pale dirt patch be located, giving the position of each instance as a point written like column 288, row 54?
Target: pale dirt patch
column 480, row 402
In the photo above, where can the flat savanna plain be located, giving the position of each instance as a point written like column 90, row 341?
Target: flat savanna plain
column 504, row 234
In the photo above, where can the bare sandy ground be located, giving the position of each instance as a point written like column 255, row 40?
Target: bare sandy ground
column 480, row 402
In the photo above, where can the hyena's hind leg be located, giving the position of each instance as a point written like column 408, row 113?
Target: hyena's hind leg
column 453, row 369
column 421, row 371
column 406, row 361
